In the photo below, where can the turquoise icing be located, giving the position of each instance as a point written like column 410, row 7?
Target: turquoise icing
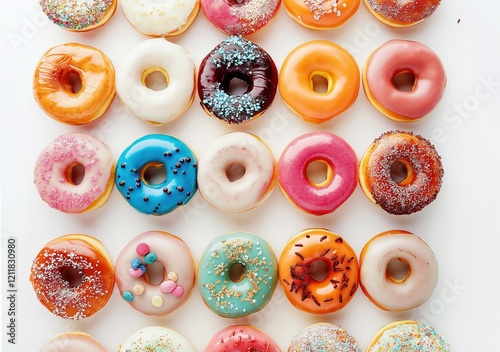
column 251, row 293
column 180, row 167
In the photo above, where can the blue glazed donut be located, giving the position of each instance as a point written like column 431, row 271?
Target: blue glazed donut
column 157, row 150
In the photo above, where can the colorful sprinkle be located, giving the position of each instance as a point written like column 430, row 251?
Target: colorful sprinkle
column 167, row 286
column 172, row 276
column 157, row 301
column 135, row 272
column 142, row 249
column 150, row 258
column 178, row 291
column 76, row 14
column 138, row 290
column 135, row 263
column 128, row 296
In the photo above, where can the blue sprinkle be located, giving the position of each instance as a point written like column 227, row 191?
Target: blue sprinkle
column 150, row 258
column 135, row 263
column 143, row 268
column 128, row 296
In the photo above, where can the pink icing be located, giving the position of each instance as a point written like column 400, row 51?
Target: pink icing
column 64, row 152
column 292, row 177
column 397, row 56
column 241, row 338
column 167, row 286
column 142, row 249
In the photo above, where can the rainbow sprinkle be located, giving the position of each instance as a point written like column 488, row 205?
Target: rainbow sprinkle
column 74, row 14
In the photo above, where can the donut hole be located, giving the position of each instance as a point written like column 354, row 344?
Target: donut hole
column 236, row 2
column 75, row 174
column 71, row 81
column 237, row 272
column 319, row 83
column 404, row 81
column 154, row 174
column 236, row 84
column 318, row 270
column 73, row 276
column 399, row 171
column 234, row 172
column 155, row 78
column 319, row 173
column 397, row 270
column 155, row 273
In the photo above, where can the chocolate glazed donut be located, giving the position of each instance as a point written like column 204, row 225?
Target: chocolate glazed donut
column 237, row 57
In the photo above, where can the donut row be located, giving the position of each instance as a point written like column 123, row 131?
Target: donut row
column 173, row 17
column 73, row 275
column 400, row 171
column 319, row 337
column 157, row 80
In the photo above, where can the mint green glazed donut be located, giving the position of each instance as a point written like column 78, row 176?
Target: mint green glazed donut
column 237, row 274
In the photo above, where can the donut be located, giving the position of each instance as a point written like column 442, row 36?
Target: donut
column 341, row 178
column 408, row 335
column 73, row 276
column 401, row 172
column 318, row 271
column 156, row 56
column 237, row 58
column 74, row 342
column 237, row 274
column 323, row 337
column 133, row 282
column 157, row 151
column 395, row 13
column 160, row 18
column 398, row 294
column 231, row 151
column 241, row 338
column 321, row 14
column 74, row 83
column 79, row 15
column 325, row 59
column 240, row 17
column 59, row 165
column 407, row 61
column 156, row 338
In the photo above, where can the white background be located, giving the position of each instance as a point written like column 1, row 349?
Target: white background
column 461, row 226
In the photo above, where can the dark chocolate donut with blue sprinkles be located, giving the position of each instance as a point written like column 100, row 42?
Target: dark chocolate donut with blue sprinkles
column 157, row 150
column 237, row 57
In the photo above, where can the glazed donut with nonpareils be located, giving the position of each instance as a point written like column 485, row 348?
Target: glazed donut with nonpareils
column 396, row 13
column 241, row 338
column 156, row 338
column 323, row 337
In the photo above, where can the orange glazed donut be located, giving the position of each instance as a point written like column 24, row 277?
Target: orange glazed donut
column 401, row 172
column 397, row 13
column 74, row 83
column 329, row 61
column 321, row 14
column 73, row 276
column 318, row 271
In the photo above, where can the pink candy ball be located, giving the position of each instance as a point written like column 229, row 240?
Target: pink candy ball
column 135, row 272
column 168, row 286
column 142, row 249
column 178, row 291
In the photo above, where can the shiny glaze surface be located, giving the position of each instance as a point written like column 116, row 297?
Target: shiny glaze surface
column 321, row 14
column 397, row 13
column 241, row 338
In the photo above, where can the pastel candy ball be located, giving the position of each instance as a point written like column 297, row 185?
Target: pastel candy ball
column 135, row 263
column 168, row 286
column 178, row 291
column 142, row 249
column 135, row 272
column 150, row 258
column 128, row 296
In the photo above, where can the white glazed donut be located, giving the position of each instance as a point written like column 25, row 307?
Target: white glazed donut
column 393, row 294
column 74, row 342
column 131, row 273
column 157, row 107
column 243, row 150
column 156, row 338
column 160, row 18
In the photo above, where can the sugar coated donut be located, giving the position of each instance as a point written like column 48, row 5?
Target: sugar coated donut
column 156, row 56
column 241, row 338
column 56, row 176
column 160, row 18
column 74, row 83
column 341, row 178
column 401, row 172
column 237, row 274
column 396, row 13
column 232, row 151
column 237, row 57
column 240, row 17
column 318, row 271
column 398, row 294
column 408, row 335
column 397, row 58
column 79, row 15
column 156, row 338
column 324, row 337
column 319, row 58
column 321, row 14
column 157, row 151
column 73, row 276
column 74, row 342
column 131, row 273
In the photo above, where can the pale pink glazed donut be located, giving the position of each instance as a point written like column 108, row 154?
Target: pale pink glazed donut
column 131, row 273
column 397, row 57
column 235, row 18
column 241, row 338
column 54, row 173
column 74, row 342
column 341, row 178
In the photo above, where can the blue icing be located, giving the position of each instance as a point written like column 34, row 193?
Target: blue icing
column 180, row 167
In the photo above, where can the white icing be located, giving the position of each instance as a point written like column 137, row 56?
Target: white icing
column 74, row 342
column 156, row 338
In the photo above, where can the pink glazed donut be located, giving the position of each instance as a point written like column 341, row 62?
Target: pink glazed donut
column 240, row 18
column 341, row 178
column 416, row 60
column 131, row 273
column 241, row 338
